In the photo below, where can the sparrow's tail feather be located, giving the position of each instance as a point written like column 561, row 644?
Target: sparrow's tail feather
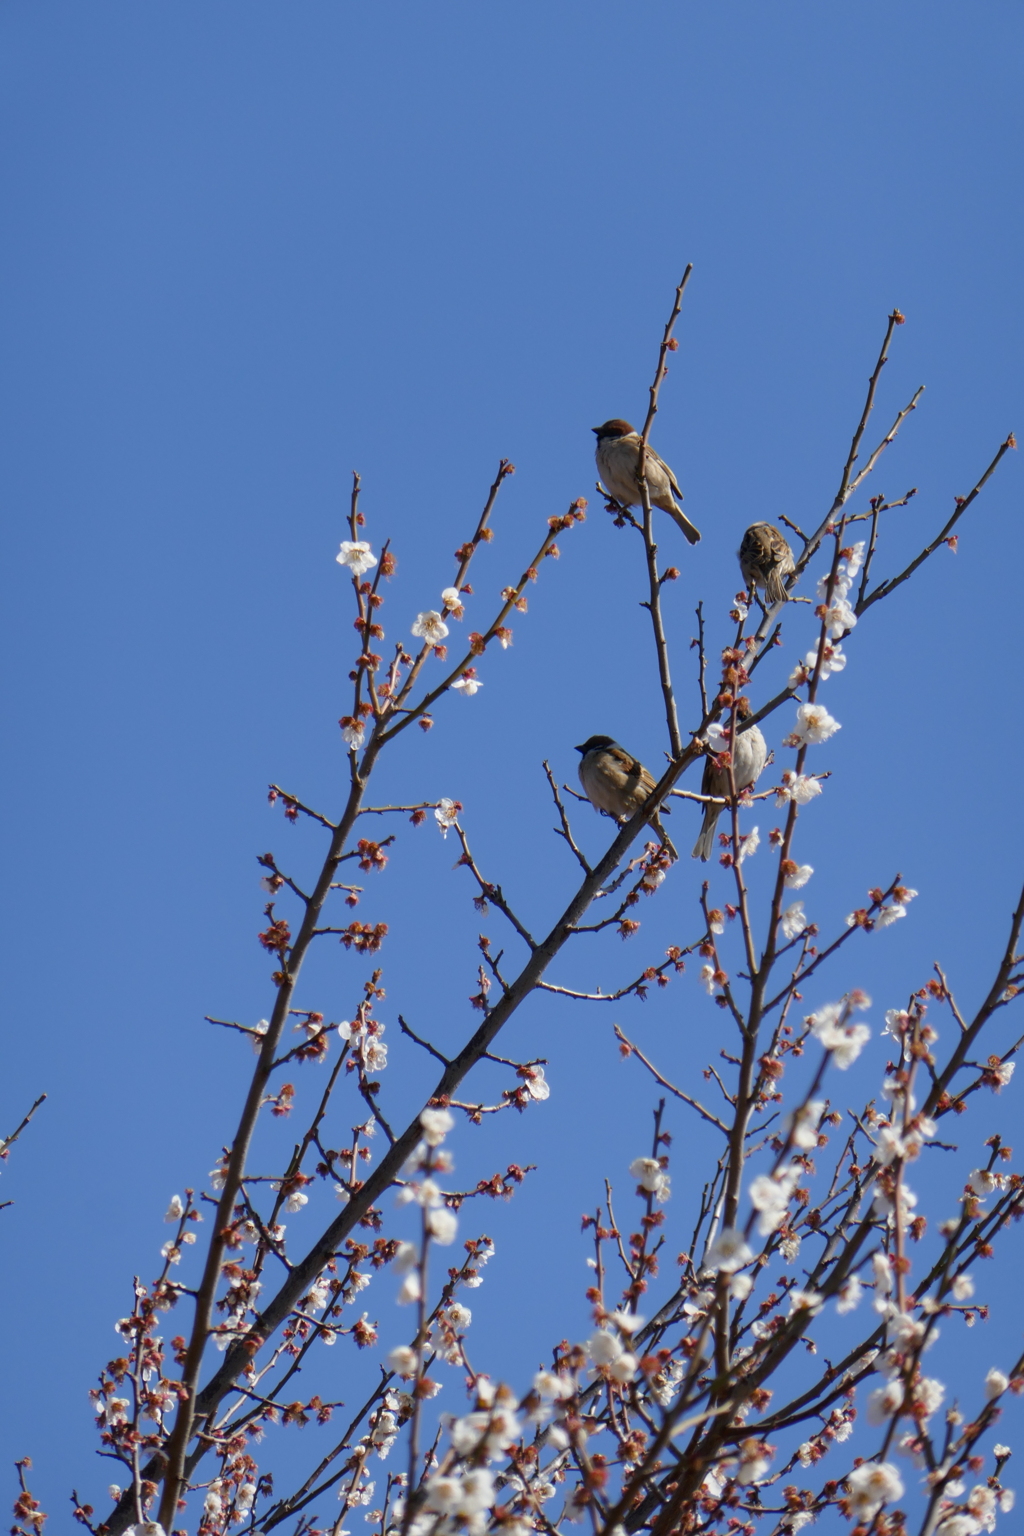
column 704, row 846
column 684, row 525
column 775, row 587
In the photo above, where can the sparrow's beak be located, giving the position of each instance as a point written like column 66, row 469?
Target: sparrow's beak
column 595, row 430
column 579, row 749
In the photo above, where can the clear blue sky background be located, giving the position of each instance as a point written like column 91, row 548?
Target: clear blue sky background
column 249, row 248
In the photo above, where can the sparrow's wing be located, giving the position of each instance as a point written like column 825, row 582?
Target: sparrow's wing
column 671, row 477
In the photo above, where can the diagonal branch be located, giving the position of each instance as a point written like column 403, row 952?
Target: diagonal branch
column 962, row 503
column 705, row 1114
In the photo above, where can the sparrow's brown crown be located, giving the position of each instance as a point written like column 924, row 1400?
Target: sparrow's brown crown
column 597, row 743
column 614, row 428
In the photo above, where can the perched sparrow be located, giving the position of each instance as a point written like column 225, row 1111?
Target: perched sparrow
column 748, row 757
column 618, row 450
column 765, row 561
column 617, row 783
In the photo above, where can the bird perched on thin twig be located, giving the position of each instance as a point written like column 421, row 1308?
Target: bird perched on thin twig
column 749, row 755
column 618, row 784
column 618, row 455
column 765, row 561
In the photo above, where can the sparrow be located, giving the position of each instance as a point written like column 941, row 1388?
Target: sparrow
column 765, row 560
column 616, row 783
column 748, row 756
column 618, row 452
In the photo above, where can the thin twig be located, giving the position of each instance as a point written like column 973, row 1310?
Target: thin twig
column 705, row 1114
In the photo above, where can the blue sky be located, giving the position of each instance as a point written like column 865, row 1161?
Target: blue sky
column 250, row 248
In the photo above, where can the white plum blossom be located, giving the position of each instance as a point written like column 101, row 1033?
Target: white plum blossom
column 403, row 1361
column 871, row 1485
column 552, row 1387
column 358, row 556
column 897, row 1022
column 442, row 1494
column 319, row 1292
column 929, row 1393
column 790, row 1247
column 624, row 1368
column 749, row 844
column 410, row 1289
column 707, row 979
column 814, row 724
column 435, row 1124
column 443, row 1224
column 995, row 1383
column 958, row 1525
column 698, row 1303
column 803, row 1124
column 493, row 1430
column 963, row 1288
column 466, row 685
column 883, row 1204
column 406, row 1258
column 375, row 1054
column 797, row 878
column 354, row 734
column 627, row 1322
column 838, row 618
column 849, row 567
column 740, row 1287
column 890, row 914
column 429, row 627
column 844, row 1041
column 884, row 1401
column 883, row 1274
column 793, row 921
column 446, row 814
column 805, row 1301
column 729, row 1251
column 832, row 660
column 451, row 599
column 176, row 1210
column 536, row 1084
column 464, row 1498
column 477, row 1491
column 981, row 1502
column 798, row 787
column 755, row 1461
column 651, row 1176
column 115, row 1411
column 770, row 1195
column 850, row 1293
column 1002, row 1074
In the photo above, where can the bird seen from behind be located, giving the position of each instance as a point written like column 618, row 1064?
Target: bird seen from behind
column 765, row 561
column 748, row 757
